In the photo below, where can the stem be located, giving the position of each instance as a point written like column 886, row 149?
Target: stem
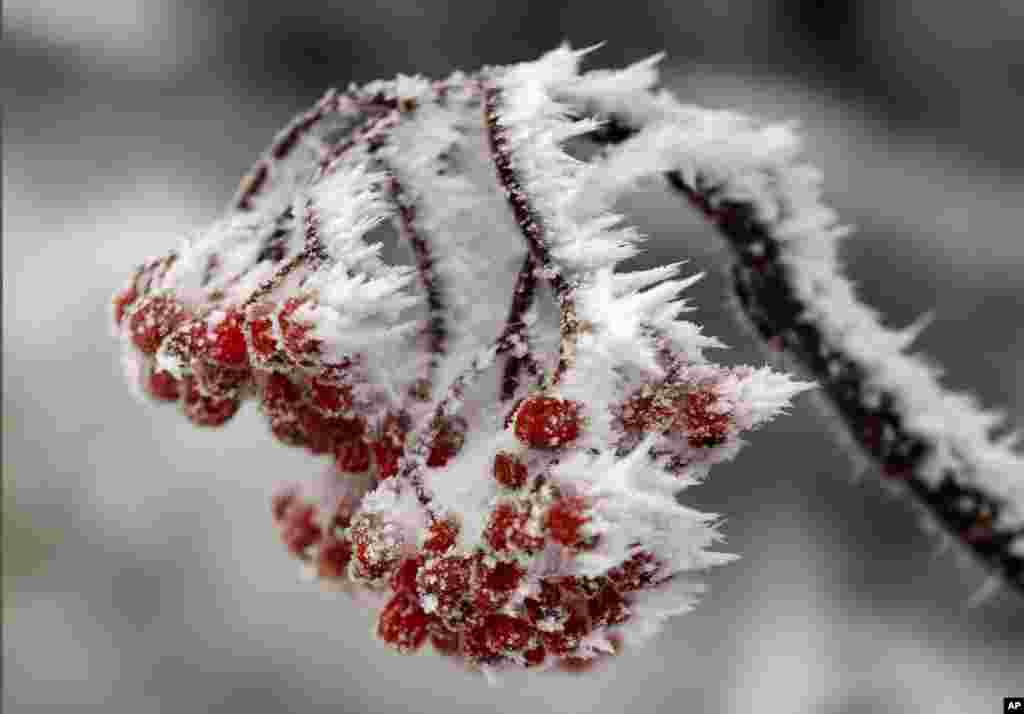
column 435, row 328
column 761, row 283
column 515, row 329
column 531, row 227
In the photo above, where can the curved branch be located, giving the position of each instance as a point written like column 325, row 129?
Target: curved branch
column 874, row 417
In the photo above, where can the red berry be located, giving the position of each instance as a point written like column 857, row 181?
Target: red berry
column 509, row 471
column 280, row 395
column 564, row 520
column 204, row 410
column 495, row 584
column 281, row 501
column 564, row 640
column 441, row 536
column 352, row 456
column 403, row 624
column 508, row 530
column 534, row 657
column 636, row 573
column 404, row 579
column 389, row 445
column 333, row 557
column 506, row 633
column 445, row 581
column 331, row 395
column 547, row 422
column 608, row 607
column 444, row 640
column 122, row 301
column 260, row 331
column 155, row 318
column 677, row 408
column 376, row 545
column 300, row 529
column 705, row 427
column 163, row 385
column 297, row 342
column 447, row 443
column 227, row 346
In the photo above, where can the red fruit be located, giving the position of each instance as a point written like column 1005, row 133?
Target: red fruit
column 352, row 456
column 376, row 546
column 534, row 657
column 122, row 301
column 677, row 408
column 705, row 427
column 508, row 530
column 444, row 641
column 217, row 380
column 446, row 581
column 566, row 639
column 297, row 342
column 260, row 331
column 547, row 422
column 608, row 607
column 403, row 624
column 477, row 645
column 207, row 411
column 281, row 501
column 333, row 557
column 287, row 431
column 506, row 633
column 404, row 579
column 441, row 536
column 509, row 471
column 331, row 395
column 564, row 520
column 300, row 529
column 447, row 443
column 227, row 346
column 495, row 584
column 389, row 446
column 547, row 606
column 317, row 430
column 280, row 395
column 636, row 573
column 163, row 385
column 154, row 319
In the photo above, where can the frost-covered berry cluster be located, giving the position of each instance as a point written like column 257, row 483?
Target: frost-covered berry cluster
column 508, row 420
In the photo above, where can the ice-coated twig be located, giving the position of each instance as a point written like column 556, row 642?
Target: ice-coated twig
column 747, row 179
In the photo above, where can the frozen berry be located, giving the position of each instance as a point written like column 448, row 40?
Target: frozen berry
column 155, row 318
column 207, row 411
column 163, row 386
column 352, row 456
column 547, row 422
column 565, row 519
column 403, row 624
column 509, row 471
column 333, row 557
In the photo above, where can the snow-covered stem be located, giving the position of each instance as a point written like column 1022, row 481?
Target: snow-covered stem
column 933, row 445
column 529, row 222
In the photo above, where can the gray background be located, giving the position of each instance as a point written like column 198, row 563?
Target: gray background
column 141, row 571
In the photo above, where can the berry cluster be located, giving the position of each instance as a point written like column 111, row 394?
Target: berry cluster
column 210, row 361
column 522, row 524
column 490, row 603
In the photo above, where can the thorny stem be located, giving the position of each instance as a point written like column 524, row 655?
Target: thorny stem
column 765, row 294
column 530, row 225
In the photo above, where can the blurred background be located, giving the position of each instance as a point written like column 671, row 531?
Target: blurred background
column 141, row 571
